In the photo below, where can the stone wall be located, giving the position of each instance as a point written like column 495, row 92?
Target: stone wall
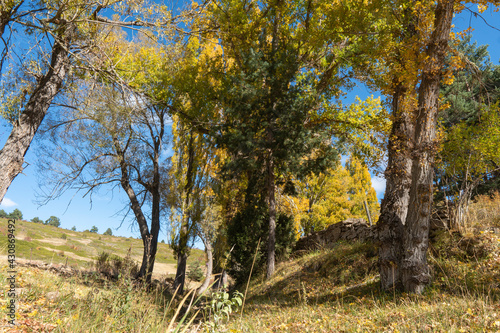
column 350, row 230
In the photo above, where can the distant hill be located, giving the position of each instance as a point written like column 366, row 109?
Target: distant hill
column 50, row 244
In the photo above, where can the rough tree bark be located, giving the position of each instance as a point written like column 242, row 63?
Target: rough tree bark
column 394, row 206
column 414, row 269
column 25, row 128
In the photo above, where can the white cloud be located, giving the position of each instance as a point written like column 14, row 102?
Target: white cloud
column 378, row 184
column 7, row 203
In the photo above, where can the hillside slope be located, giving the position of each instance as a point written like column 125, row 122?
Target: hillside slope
column 79, row 249
column 337, row 290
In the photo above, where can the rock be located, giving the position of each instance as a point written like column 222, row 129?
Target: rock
column 52, row 295
column 350, row 229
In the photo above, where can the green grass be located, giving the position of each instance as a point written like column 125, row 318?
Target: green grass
column 337, row 290
column 332, row 290
column 30, row 245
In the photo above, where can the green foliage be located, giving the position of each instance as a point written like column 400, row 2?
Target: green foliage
column 108, row 232
column 16, row 214
column 3, row 214
column 244, row 231
column 475, row 84
column 73, row 228
column 195, row 272
column 94, row 229
column 114, row 266
column 53, row 221
column 37, row 220
column 64, row 236
column 469, row 154
column 271, row 118
column 219, row 309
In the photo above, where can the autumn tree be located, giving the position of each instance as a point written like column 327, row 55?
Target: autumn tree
column 332, row 196
column 404, row 246
column 286, row 68
column 111, row 137
column 467, row 164
column 66, row 39
column 362, row 196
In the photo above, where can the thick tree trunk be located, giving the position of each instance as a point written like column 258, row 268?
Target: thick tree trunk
column 25, row 128
column 394, row 206
column 180, row 274
column 414, row 269
column 210, row 264
column 271, row 244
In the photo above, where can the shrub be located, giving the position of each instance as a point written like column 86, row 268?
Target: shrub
column 94, row 229
column 64, row 236
column 195, row 272
column 108, row 232
column 244, row 231
column 53, row 221
column 114, row 266
column 37, row 220
column 16, row 214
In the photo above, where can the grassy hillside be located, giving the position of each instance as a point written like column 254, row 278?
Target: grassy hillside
column 337, row 290
column 79, row 249
column 331, row 290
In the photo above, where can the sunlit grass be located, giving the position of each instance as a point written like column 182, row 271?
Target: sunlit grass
column 331, row 290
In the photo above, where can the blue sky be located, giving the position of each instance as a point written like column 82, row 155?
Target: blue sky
column 73, row 210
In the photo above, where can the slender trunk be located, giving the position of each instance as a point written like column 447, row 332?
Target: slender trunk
column 143, row 225
column 271, row 245
column 210, row 263
column 155, row 209
column 25, row 128
column 136, row 208
column 7, row 13
column 394, row 206
column 182, row 250
column 414, row 269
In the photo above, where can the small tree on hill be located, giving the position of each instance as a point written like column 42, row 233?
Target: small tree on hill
column 16, row 214
column 3, row 214
column 108, row 232
column 37, row 220
column 94, row 229
column 53, row 221
column 73, row 229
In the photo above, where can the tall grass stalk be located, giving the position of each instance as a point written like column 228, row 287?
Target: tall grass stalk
column 249, row 277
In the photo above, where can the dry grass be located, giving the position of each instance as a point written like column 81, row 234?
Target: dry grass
column 332, row 290
column 484, row 211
